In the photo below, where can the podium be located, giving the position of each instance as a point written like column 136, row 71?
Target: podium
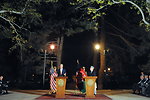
column 90, row 86
column 60, row 86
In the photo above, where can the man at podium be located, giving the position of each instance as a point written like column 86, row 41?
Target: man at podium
column 61, row 71
column 61, row 82
column 93, row 73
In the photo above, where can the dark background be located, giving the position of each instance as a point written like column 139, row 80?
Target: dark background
column 123, row 62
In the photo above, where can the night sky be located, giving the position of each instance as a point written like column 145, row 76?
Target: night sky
column 79, row 46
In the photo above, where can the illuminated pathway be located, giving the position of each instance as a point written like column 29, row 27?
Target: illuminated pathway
column 32, row 94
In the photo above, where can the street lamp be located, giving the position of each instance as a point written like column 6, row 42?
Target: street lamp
column 108, row 69
column 105, row 71
column 52, row 46
column 102, row 52
column 97, row 46
column 45, row 53
column 101, row 71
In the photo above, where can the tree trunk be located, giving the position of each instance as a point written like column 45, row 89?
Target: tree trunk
column 102, row 57
column 95, row 61
column 60, row 42
column 22, row 71
column 95, row 56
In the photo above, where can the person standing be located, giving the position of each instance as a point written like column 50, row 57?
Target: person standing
column 53, row 81
column 80, row 80
column 93, row 73
column 78, row 66
column 51, row 70
column 84, row 69
column 61, row 71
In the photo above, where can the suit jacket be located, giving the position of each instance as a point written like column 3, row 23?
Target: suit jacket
column 141, row 83
column 63, row 72
column 148, row 82
column 93, row 73
column 1, row 82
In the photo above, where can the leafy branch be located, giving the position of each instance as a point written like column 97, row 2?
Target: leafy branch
column 134, row 4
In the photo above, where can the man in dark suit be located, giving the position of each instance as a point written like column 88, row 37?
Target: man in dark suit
column 93, row 73
column 61, row 71
column 147, row 85
column 138, row 86
column 144, row 85
column 3, row 86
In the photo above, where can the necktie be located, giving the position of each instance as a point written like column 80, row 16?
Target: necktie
column 60, row 71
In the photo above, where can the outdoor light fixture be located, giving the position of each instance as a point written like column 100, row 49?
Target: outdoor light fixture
column 52, row 46
column 108, row 69
column 97, row 46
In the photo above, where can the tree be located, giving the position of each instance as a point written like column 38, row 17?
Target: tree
column 19, row 21
column 63, row 20
column 23, row 18
column 98, row 8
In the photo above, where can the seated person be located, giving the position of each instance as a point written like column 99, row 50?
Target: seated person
column 144, row 84
column 147, row 85
column 138, row 86
column 3, row 86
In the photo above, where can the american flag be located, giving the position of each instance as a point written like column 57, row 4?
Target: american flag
column 53, row 81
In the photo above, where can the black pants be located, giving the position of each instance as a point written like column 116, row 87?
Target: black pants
column 0, row 89
column 135, row 88
column 147, row 90
column 3, row 88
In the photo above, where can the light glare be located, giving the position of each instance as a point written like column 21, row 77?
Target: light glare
column 52, row 46
column 97, row 46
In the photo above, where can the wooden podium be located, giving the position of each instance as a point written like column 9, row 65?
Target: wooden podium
column 90, row 85
column 60, row 86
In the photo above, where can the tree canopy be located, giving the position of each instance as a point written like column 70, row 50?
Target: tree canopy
column 22, row 15
column 97, row 8
column 25, row 21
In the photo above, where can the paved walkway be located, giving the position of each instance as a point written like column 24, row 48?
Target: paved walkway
column 18, row 96
column 32, row 94
column 127, row 96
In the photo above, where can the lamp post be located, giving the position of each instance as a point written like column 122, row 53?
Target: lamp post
column 97, row 46
column 102, row 70
column 52, row 47
column 45, row 53
column 108, row 69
